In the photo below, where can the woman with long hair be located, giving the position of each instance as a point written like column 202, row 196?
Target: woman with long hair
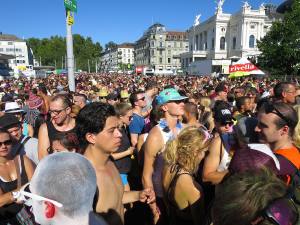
column 14, row 172
column 183, row 194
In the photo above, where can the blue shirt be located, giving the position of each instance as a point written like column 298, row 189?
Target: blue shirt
column 137, row 124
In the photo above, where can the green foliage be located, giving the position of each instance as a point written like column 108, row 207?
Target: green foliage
column 281, row 46
column 110, row 45
column 52, row 51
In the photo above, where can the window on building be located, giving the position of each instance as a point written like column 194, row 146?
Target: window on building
column 152, row 52
column 251, row 41
column 222, row 43
column 175, row 44
column 234, row 43
column 1, row 49
column 191, row 48
column 196, row 43
column 169, row 52
column 10, row 43
column 213, row 43
column 160, row 60
column 160, row 52
column 128, row 60
column 152, row 43
column 169, row 60
column 181, row 44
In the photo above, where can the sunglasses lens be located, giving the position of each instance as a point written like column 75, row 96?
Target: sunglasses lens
column 283, row 211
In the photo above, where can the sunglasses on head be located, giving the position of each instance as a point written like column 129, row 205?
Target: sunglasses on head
column 269, row 108
column 281, row 211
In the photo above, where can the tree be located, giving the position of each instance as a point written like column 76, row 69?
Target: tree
column 110, row 45
column 52, row 51
column 281, row 46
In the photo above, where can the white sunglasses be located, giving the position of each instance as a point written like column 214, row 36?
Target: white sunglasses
column 25, row 195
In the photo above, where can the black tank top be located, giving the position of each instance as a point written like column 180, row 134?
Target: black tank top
column 52, row 132
column 11, row 210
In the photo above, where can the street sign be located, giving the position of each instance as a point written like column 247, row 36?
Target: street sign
column 71, row 5
column 70, row 18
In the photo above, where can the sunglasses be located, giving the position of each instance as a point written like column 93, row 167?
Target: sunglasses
column 269, row 108
column 56, row 112
column 6, row 143
column 281, row 211
column 225, row 123
column 27, row 197
column 141, row 99
column 177, row 101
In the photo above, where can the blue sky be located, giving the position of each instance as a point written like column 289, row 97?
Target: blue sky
column 106, row 20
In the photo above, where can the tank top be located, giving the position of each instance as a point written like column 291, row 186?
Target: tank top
column 11, row 210
column 226, row 158
column 52, row 131
column 167, row 135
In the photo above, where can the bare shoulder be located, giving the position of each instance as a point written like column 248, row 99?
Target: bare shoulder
column 154, row 142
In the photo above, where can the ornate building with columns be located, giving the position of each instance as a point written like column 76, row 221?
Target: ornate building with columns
column 214, row 43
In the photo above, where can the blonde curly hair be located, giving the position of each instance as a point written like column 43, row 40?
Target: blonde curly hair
column 185, row 149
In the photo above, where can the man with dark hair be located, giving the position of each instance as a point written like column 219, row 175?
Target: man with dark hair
column 276, row 125
column 285, row 92
column 61, row 122
column 243, row 105
column 221, row 92
column 98, row 132
column 137, row 124
column 191, row 114
column 80, row 100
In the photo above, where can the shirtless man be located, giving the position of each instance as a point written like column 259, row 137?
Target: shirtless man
column 61, row 122
column 98, row 132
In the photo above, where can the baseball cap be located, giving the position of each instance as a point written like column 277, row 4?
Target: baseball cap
column 223, row 115
column 8, row 120
column 170, row 94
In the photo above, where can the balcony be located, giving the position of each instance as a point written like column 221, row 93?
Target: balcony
column 200, row 53
column 161, row 47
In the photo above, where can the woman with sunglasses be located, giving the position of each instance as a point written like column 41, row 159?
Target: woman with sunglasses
column 183, row 195
column 13, row 174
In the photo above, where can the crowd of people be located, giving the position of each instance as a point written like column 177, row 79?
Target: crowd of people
column 165, row 150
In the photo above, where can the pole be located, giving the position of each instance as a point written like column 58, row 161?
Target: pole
column 96, row 66
column 40, row 61
column 89, row 69
column 62, row 62
column 70, row 56
column 55, row 63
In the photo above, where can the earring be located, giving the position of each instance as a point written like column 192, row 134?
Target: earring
column 50, row 210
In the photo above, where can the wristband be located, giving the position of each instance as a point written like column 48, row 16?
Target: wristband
column 16, row 195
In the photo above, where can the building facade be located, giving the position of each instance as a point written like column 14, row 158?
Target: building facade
column 159, row 49
column 214, row 43
column 11, row 45
column 117, row 59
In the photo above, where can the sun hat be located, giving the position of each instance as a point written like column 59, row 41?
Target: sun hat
column 102, row 93
column 12, row 107
column 124, row 94
column 167, row 95
column 34, row 101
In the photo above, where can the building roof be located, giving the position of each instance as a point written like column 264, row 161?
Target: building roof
column 126, row 45
column 9, row 37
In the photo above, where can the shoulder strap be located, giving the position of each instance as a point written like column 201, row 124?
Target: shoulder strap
column 17, row 165
column 25, row 140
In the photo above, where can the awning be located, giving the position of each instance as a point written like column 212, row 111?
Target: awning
column 242, row 68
